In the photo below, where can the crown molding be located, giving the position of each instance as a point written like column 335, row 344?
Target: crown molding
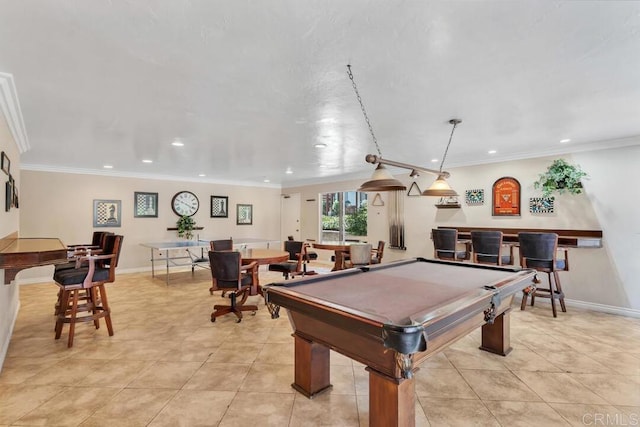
column 124, row 174
column 13, row 114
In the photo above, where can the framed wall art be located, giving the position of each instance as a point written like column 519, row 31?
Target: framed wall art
column 107, row 213
column 474, row 197
column 145, row 205
column 219, row 207
column 506, row 197
column 541, row 205
column 8, row 195
column 5, row 163
column 244, row 214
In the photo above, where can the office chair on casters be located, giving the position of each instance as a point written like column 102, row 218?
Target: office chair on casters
column 539, row 252
column 228, row 273
column 294, row 265
column 487, row 248
column 445, row 245
column 220, row 245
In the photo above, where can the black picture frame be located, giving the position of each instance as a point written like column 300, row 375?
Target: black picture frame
column 8, row 188
column 244, row 214
column 14, row 200
column 145, row 205
column 219, row 207
column 107, row 213
column 5, row 163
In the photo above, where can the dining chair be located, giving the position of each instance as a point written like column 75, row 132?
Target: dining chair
column 487, row 248
column 377, row 253
column 539, row 251
column 445, row 245
column 228, row 274
column 359, row 255
column 82, row 289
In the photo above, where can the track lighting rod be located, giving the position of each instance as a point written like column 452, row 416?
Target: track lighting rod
column 373, row 159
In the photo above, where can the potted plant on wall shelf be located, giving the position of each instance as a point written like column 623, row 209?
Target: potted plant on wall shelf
column 561, row 176
column 186, row 225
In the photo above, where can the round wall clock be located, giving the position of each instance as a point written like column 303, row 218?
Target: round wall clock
column 185, row 203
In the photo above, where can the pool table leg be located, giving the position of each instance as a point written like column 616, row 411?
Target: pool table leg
column 496, row 337
column 311, row 367
column 391, row 401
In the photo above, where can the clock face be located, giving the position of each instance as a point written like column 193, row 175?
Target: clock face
column 185, row 203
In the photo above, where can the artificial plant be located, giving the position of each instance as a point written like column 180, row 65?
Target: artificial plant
column 559, row 177
column 186, row 225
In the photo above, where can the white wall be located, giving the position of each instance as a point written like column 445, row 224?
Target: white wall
column 597, row 276
column 61, row 205
column 9, row 224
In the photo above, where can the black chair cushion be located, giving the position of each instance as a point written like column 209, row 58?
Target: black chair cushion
column 76, row 276
column 312, row 256
column 246, row 280
column 506, row 259
column 283, row 267
column 449, row 254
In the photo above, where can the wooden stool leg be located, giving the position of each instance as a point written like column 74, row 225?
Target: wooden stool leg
column 552, row 296
column 61, row 312
column 560, row 293
column 106, row 309
column 73, row 316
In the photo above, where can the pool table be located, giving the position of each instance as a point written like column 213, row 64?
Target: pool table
column 391, row 317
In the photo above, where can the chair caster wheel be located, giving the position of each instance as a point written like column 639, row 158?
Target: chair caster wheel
column 239, row 320
column 213, row 320
column 253, row 313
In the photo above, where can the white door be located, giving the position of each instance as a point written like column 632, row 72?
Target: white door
column 290, row 216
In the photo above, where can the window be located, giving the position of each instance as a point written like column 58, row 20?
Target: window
column 344, row 215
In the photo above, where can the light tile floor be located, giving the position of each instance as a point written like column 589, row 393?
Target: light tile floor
column 168, row 365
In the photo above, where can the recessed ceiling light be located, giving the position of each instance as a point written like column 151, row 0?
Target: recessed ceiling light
column 266, row 180
column 328, row 120
column 201, row 175
column 288, row 171
column 147, row 161
column 492, row 151
column 177, row 143
column 320, row 145
column 108, row 166
column 563, row 141
column 434, row 160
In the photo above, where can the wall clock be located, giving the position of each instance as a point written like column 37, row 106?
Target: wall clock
column 185, row 203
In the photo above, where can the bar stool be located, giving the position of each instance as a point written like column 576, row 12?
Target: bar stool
column 445, row 242
column 487, row 248
column 82, row 290
column 538, row 251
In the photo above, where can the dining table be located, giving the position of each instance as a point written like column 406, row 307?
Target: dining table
column 340, row 248
column 262, row 257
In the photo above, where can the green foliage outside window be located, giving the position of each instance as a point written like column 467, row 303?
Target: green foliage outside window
column 356, row 224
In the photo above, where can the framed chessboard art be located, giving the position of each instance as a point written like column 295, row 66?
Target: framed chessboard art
column 107, row 213
column 145, row 205
column 219, row 207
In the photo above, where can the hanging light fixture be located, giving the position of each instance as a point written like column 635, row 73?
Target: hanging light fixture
column 440, row 187
column 382, row 180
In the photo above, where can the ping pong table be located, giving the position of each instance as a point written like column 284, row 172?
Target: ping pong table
column 191, row 253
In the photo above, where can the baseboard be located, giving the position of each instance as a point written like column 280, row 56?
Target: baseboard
column 602, row 308
column 5, row 344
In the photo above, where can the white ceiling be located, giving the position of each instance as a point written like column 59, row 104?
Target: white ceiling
column 250, row 87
